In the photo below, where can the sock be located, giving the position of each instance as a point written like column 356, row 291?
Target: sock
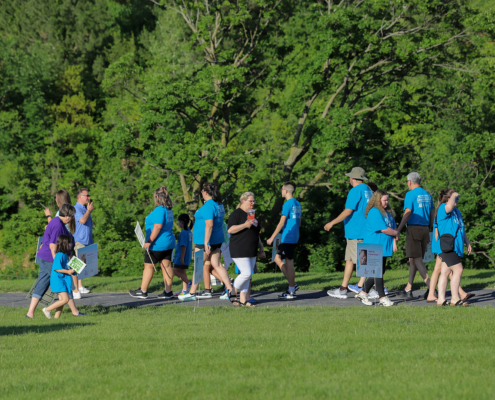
column 407, row 291
column 144, row 291
column 360, row 287
column 343, row 288
column 292, row 289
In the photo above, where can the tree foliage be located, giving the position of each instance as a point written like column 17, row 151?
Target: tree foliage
column 122, row 97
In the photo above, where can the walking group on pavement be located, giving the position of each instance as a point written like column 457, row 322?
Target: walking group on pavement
column 367, row 217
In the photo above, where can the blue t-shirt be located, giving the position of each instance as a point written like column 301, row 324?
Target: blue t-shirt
column 375, row 223
column 420, row 203
column 185, row 239
column 84, row 232
column 165, row 239
column 60, row 282
column 210, row 210
column 448, row 223
column 293, row 212
column 357, row 200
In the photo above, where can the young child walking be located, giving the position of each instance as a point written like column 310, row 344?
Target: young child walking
column 183, row 253
column 60, row 278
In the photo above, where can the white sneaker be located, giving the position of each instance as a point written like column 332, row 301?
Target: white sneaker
column 48, row 314
column 337, row 293
column 225, row 295
column 187, row 297
column 76, row 296
column 373, row 294
column 84, row 290
column 386, row 302
column 363, row 298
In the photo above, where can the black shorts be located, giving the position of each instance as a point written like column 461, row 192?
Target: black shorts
column 450, row 259
column 213, row 247
column 286, row 250
column 179, row 266
column 157, row 256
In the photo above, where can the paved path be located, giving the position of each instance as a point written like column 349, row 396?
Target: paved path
column 484, row 297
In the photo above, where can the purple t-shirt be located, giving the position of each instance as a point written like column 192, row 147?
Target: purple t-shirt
column 53, row 230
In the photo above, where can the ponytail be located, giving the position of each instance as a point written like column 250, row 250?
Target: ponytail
column 162, row 197
column 214, row 191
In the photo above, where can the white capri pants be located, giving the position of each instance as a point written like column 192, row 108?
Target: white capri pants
column 246, row 267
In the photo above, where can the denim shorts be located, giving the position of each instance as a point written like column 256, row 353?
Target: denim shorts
column 43, row 279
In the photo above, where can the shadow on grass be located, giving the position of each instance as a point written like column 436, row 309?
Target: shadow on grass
column 22, row 330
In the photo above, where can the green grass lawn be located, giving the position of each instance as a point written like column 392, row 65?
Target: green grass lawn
column 264, row 353
column 265, row 282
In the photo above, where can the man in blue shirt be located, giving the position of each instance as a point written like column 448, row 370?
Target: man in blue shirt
column 418, row 207
column 289, row 224
column 84, row 231
column 354, row 224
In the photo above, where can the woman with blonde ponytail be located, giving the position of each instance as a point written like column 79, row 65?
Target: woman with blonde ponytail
column 380, row 229
column 160, row 242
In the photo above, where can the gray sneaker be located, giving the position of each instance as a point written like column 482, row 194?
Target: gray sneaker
column 363, row 298
column 386, row 302
column 373, row 294
column 337, row 293
column 205, row 294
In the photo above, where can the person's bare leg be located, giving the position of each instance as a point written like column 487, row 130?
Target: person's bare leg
column 349, row 269
column 73, row 307
column 455, row 282
column 63, row 298
column 76, row 283
column 434, row 279
column 148, row 273
column 442, row 283
column 287, row 269
column 168, row 274
column 32, row 307
column 79, row 283
column 58, row 312
column 207, row 272
column 181, row 274
column 361, row 282
column 248, row 297
column 222, row 272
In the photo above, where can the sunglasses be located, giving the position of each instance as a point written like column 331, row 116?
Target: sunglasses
column 85, row 195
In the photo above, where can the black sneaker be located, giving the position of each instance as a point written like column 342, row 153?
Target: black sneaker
column 166, row 295
column 287, row 295
column 205, row 294
column 406, row 295
column 138, row 294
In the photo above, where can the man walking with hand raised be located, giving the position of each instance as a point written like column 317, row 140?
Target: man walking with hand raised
column 354, row 225
column 84, row 231
column 418, row 207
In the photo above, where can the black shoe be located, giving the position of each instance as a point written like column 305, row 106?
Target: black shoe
column 138, row 294
column 296, row 287
column 425, row 296
column 287, row 295
column 166, row 295
column 406, row 295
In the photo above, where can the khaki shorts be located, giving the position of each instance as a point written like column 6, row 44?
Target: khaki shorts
column 351, row 250
column 417, row 238
column 78, row 246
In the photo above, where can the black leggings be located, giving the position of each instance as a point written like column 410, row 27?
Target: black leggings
column 378, row 281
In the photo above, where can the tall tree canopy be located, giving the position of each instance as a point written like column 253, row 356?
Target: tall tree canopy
column 122, row 97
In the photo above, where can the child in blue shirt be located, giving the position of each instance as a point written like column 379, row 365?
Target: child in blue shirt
column 183, row 252
column 380, row 229
column 289, row 224
column 60, row 278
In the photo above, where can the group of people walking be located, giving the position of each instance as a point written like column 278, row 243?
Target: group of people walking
column 69, row 231
column 367, row 217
